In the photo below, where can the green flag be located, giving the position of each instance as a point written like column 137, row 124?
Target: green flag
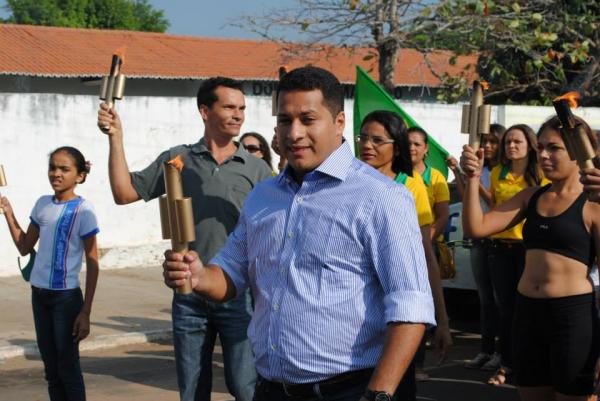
column 369, row 96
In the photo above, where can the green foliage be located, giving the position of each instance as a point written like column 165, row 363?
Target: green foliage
column 134, row 15
column 530, row 51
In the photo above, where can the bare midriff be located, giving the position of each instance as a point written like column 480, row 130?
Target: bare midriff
column 551, row 275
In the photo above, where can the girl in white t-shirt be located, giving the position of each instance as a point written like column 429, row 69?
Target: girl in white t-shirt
column 66, row 227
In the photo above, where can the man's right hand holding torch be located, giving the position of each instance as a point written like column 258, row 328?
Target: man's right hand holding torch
column 109, row 122
column 210, row 281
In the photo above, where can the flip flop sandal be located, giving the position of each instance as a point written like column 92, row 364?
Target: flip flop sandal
column 499, row 378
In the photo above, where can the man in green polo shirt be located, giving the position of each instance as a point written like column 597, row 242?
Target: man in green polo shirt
column 217, row 174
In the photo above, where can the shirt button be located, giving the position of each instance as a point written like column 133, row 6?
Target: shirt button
column 290, row 234
column 273, row 347
column 276, row 307
column 299, row 199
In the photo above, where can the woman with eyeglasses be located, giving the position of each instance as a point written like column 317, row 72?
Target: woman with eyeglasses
column 257, row 145
column 383, row 144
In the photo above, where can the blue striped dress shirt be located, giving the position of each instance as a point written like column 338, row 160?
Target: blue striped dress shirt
column 329, row 263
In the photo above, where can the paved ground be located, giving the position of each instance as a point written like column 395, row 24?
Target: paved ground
column 131, row 305
column 129, row 356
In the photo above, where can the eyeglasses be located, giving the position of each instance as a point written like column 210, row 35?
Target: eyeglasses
column 252, row 148
column 375, row 140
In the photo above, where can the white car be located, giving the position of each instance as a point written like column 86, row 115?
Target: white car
column 463, row 279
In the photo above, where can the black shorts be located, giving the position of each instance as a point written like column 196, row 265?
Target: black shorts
column 555, row 343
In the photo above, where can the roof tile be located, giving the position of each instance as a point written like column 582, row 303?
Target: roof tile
column 68, row 52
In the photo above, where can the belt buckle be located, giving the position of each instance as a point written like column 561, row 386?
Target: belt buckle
column 315, row 388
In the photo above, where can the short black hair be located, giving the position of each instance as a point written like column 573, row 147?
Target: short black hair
column 206, row 93
column 310, row 78
column 396, row 128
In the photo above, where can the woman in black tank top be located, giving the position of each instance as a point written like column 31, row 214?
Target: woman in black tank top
column 555, row 328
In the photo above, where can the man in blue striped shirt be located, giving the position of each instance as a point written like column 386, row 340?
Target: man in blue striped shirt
column 331, row 250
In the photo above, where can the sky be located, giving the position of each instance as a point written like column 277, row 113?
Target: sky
column 207, row 17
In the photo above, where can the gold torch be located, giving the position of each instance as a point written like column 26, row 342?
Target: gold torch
column 176, row 216
column 113, row 85
column 476, row 116
column 573, row 133
column 2, row 183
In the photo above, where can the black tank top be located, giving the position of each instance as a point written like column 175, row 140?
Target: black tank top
column 564, row 234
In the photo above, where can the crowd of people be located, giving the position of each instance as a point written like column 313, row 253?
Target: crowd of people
column 322, row 280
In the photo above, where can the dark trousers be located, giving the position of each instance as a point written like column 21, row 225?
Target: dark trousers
column 265, row 393
column 488, row 312
column 407, row 391
column 507, row 261
column 54, row 313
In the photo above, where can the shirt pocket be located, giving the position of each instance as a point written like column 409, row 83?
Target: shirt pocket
column 334, row 253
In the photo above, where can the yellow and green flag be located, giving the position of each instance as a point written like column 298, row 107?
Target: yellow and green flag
column 369, row 96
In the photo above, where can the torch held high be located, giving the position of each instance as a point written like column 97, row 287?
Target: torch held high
column 476, row 116
column 573, row 132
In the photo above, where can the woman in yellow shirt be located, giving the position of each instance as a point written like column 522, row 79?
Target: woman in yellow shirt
column 439, row 200
column 437, row 186
column 383, row 144
column 518, row 169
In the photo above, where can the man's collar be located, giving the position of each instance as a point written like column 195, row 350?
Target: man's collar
column 200, row 147
column 336, row 165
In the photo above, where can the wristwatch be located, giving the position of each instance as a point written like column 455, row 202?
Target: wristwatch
column 377, row 395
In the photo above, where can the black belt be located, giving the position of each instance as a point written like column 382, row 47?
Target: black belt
column 506, row 243
column 327, row 387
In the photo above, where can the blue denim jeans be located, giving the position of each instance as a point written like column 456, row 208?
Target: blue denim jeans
column 54, row 313
column 196, row 323
column 488, row 312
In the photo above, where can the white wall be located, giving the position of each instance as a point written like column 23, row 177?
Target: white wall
column 34, row 124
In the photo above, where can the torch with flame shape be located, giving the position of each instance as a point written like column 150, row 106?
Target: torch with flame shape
column 573, row 133
column 113, row 85
column 476, row 116
column 176, row 216
column 3, row 183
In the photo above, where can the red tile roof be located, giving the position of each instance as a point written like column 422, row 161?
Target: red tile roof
column 66, row 52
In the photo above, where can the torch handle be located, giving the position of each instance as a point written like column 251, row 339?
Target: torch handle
column 182, row 249
column 174, row 191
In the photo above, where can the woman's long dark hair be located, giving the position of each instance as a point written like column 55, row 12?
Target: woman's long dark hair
column 533, row 174
column 396, row 128
column 496, row 132
column 264, row 146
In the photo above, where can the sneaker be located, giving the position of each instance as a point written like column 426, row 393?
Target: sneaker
column 481, row 359
column 493, row 364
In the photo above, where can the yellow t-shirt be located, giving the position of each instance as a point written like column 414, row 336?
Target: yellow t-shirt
column 437, row 187
column 419, row 192
column 503, row 186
